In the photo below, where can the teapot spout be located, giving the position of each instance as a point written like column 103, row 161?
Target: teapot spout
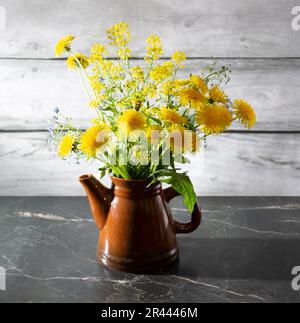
column 99, row 197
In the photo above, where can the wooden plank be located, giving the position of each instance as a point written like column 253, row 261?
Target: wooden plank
column 249, row 164
column 30, row 89
column 234, row 164
column 223, row 28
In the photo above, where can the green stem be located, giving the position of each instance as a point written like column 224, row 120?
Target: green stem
column 82, row 70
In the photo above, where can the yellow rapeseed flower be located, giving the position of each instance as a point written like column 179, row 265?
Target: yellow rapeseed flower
column 193, row 97
column 119, row 34
column 150, row 91
column 116, row 72
column 96, row 84
column 124, row 53
column 72, row 61
column 136, row 100
column 137, row 73
column 131, row 84
column 93, row 139
column 173, row 117
column 64, row 44
column 214, row 118
column 167, row 88
column 132, row 120
column 162, row 72
column 172, row 87
column 105, row 67
column 154, row 48
column 94, row 104
column 244, row 112
column 97, row 52
column 178, row 58
column 65, row 146
column 217, row 95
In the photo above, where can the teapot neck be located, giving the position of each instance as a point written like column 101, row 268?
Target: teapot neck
column 135, row 189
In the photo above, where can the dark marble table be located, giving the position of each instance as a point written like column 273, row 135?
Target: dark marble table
column 244, row 252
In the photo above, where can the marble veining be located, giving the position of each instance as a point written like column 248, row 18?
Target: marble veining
column 50, row 217
column 289, row 234
column 243, row 252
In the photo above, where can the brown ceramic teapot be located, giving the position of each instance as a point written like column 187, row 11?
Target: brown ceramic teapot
column 137, row 231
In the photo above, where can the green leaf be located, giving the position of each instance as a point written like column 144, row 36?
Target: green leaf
column 102, row 172
column 182, row 184
column 153, row 119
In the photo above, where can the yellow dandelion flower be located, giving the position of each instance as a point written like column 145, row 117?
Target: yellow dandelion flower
column 73, row 60
column 217, row 95
column 137, row 73
column 154, row 48
column 172, row 116
column 93, row 139
column 119, row 34
column 132, row 120
column 64, row 44
column 244, row 112
column 214, row 119
column 180, row 83
column 199, row 83
column 66, row 145
column 193, row 97
column 178, row 58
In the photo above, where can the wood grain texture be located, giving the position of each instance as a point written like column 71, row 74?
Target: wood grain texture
column 223, row 28
column 234, row 164
column 242, row 32
column 30, row 89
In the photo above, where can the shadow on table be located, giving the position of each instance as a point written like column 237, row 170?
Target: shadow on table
column 269, row 259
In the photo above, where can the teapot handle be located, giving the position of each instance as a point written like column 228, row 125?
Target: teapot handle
column 170, row 193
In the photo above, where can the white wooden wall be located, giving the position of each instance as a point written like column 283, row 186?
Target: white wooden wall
column 255, row 37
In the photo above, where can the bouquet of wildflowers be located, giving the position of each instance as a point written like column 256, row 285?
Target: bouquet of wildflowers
column 147, row 120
